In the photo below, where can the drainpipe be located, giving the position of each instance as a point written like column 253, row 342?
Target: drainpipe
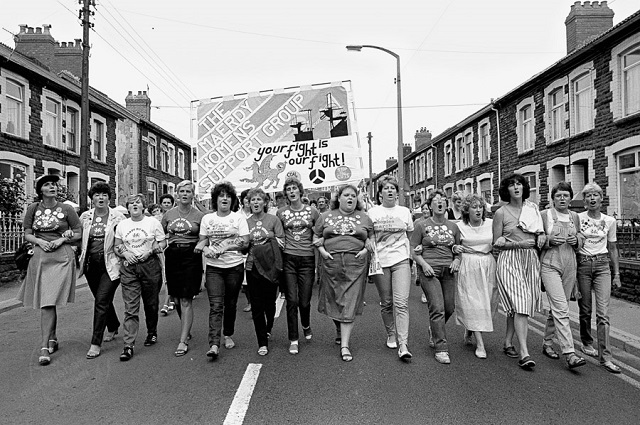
column 499, row 141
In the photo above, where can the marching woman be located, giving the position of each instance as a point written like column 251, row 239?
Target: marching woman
column 436, row 265
column 183, row 258
column 50, row 226
column 598, row 253
column 139, row 240
column 299, row 260
column 263, row 266
column 477, row 294
column 343, row 235
column 558, row 271
column 392, row 225
column 223, row 234
column 100, row 264
column 517, row 231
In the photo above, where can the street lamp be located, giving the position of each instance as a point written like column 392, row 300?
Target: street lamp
column 399, row 103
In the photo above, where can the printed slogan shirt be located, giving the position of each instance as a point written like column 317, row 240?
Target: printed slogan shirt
column 223, row 232
column 298, row 231
column 138, row 236
column 390, row 226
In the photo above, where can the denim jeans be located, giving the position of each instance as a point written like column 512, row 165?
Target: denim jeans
column 558, row 284
column 223, row 287
column 595, row 275
column 393, row 288
column 103, row 290
column 140, row 280
column 299, row 274
column 440, row 290
column 263, row 294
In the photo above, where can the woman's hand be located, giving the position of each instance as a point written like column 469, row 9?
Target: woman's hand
column 281, row 243
column 130, row 257
column 325, row 254
column 418, row 249
column 572, row 240
column 155, row 248
column 207, row 252
column 369, row 245
column 458, row 249
column 526, row 244
column 615, row 281
column 363, row 251
column 317, row 243
column 427, row 270
column 542, row 239
column 455, row 265
column 68, row 234
column 198, row 249
column 555, row 240
column 500, row 242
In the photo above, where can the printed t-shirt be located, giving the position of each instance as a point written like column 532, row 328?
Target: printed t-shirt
column 597, row 233
column 298, row 231
column 436, row 240
column 390, row 226
column 260, row 231
column 138, row 236
column 182, row 229
column 96, row 233
column 50, row 223
column 343, row 232
column 222, row 232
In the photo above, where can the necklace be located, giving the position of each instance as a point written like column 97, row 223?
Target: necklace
column 188, row 212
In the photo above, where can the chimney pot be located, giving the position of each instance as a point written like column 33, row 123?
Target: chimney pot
column 64, row 44
column 585, row 22
column 23, row 28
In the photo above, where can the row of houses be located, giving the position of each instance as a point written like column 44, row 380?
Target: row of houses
column 577, row 121
column 40, row 96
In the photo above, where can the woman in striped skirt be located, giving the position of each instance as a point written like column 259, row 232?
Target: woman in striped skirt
column 517, row 230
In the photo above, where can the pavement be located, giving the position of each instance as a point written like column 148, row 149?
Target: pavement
column 624, row 316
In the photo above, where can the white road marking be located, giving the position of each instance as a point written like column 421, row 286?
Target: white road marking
column 240, row 404
column 279, row 304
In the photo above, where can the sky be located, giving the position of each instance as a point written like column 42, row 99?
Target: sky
column 456, row 55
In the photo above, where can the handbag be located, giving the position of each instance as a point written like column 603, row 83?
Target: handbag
column 23, row 255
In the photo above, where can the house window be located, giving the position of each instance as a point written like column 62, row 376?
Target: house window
column 423, row 167
column 152, row 191
column 582, row 103
column 556, row 114
column 533, row 184
column 11, row 170
column 72, row 130
column 98, row 140
column 631, row 81
column 15, row 108
column 52, row 122
column 164, row 157
column 629, row 178
column 412, row 170
column 152, row 152
column 181, row 163
column 447, row 159
column 526, row 138
column 171, row 166
column 429, row 163
column 460, row 156
column 485, row 190
column 483, row 149
column 556, row 175
column 468, row 149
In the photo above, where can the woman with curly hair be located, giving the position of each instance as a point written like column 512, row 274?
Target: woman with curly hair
column 343, row 238
column 477, row 294
column 223, row 234
column 518, row 230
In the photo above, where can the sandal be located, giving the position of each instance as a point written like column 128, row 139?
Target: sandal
column 263, row 351
column 510, row 351
column 93, row 352
column 228, row 343
column 53, row 346
column 45, row 359
column 183, row 348
column 345, row 353
column 574, row 361
column 164, row 310
column 548, row 351
column 527, row 363
column 110, row 336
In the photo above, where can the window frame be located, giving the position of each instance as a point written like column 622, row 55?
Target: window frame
column 152, row 151
column 429, row 164
column 617, row 85
column 460, row 152
column 525, row 127
column 448, row 158
column 181, row 163
column 468, row 148
column 19, row 107
column 484, row 143
column 172, row 159
column 632, row 170
column 98, row 137
column 164, row 156
column 585, row 71
column 72, row 107
column 152, row 183
column 50, row 119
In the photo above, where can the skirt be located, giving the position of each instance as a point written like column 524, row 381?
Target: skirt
column 184, row 270
column 51, row 278
column 519, row 283
column 342, row 286
column 477, row 294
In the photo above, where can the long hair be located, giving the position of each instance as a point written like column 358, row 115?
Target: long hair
column 227, row 188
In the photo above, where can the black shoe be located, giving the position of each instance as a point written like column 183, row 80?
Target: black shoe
column 151, row 339
column 527, row 363
column 127, row 353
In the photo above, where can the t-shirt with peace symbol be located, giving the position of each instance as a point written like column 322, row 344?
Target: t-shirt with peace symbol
column 298, row 229
column 50, row 223
column 138, row 236
column 221, row 232
column 344, row 232
column 182, row 229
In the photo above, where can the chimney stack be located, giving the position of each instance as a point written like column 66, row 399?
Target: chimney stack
column 422, row 137
column 40, row 45
column 406, row 150
column 139, row 104
column 586, row 21
column 391, row 161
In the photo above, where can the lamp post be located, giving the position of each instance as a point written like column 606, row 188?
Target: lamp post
column 358, row 48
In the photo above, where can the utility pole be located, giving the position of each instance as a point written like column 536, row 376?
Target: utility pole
column 85, row 117
column 372, row 191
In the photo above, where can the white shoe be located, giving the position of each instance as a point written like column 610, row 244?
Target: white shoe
column 443, row 357
column 423, row 299
column 432, row 344
column 403, row 352
column 293, row 347
column 481, row 353
column 391, row 342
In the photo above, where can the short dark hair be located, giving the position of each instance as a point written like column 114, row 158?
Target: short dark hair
column 562, row 186
column 152, row 207
column 433, row 195
column 165, row 196
column 288, row 182
column 227, row 188
column 508, row 181
column 100, row 187
column 384, row 180
column 334, row 199
column 243, row 195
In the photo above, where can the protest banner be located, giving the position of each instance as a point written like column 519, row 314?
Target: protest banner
column 260, row 139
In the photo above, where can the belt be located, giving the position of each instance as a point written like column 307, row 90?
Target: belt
column 184, row 245
column 598, row 257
